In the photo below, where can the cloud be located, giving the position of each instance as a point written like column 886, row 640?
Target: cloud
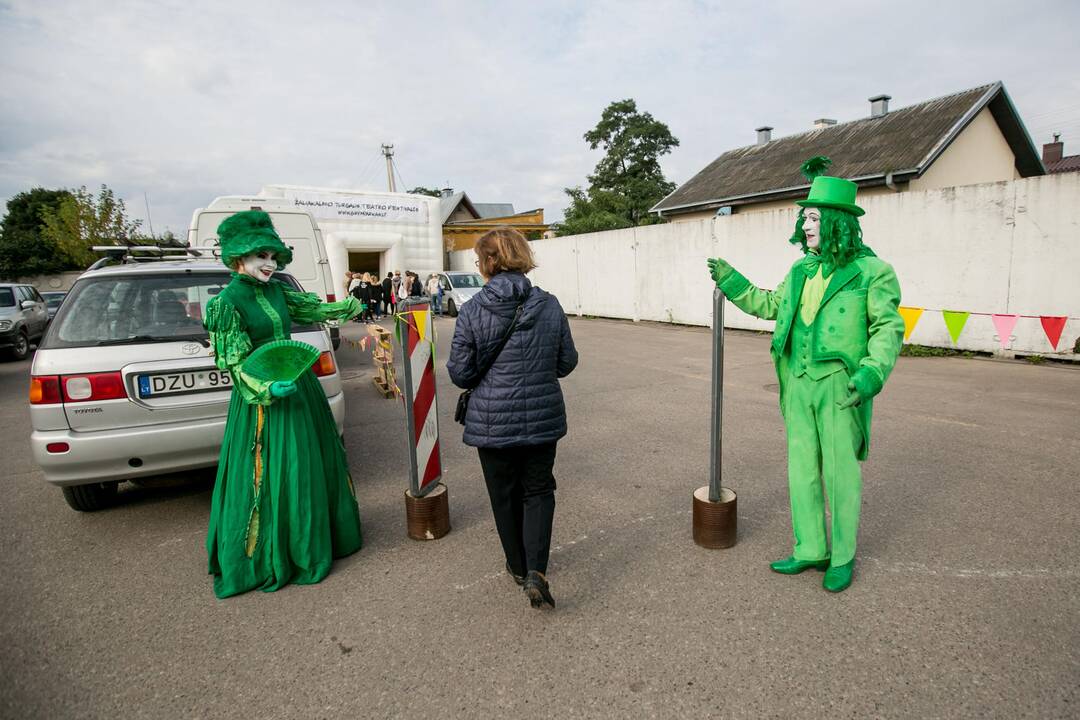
column 187, row 101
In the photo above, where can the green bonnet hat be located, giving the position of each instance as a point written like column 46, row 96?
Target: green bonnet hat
column 826, row 191
column 250, row 232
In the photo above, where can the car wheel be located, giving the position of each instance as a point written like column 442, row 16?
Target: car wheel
column 20, row 348
column 88, row 498
column 451, row 308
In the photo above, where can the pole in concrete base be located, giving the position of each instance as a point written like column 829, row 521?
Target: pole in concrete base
column 715, row 506
column 427, row 509
column 428, row 517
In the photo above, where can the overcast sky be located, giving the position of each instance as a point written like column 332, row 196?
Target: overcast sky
column 189, row 100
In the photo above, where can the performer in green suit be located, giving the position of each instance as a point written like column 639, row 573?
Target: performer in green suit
column 284, row 504
column 838, row 334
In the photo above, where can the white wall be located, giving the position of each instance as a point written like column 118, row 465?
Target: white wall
column 1005, row 247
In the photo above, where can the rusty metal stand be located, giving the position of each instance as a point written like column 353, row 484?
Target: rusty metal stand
column 716, row 507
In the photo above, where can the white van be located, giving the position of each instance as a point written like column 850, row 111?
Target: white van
column 297, row 229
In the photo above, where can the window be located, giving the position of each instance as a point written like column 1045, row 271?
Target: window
column 7, row 297
column 467, row 280
column 154, row 307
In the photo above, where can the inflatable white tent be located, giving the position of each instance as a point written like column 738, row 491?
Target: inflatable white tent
column 405, row 230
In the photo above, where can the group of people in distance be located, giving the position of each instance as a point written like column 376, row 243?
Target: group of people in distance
column 284, row 504
column 380, row 298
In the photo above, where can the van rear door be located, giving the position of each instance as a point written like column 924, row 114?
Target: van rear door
column 296, row 230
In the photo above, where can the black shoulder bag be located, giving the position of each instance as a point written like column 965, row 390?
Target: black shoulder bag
column 463, row 398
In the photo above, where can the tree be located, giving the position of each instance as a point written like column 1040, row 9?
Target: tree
column 82, row 220
column 23, row 248
column 628, row 180
column 420, row 190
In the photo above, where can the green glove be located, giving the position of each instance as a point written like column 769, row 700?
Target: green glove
column 853, row 399
column 719, row 269
column 282, row 389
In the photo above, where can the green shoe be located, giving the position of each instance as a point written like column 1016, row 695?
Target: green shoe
column 838, row 577
column 791, row 566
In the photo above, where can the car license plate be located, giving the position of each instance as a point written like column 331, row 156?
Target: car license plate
column 183, row 382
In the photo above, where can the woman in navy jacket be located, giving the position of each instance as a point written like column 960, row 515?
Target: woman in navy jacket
column 516, row 413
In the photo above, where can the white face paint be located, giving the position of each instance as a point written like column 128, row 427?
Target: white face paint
column 260, row 265
column 812, row 227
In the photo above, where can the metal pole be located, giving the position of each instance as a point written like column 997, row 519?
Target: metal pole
column 716, row 437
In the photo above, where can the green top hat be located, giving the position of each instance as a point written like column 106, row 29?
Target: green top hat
column 250, row 232
column 827, row 191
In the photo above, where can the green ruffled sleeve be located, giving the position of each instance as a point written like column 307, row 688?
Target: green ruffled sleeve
column 309, row 308
column 232, row 345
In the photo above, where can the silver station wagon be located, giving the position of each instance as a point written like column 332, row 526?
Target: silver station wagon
column 124, row 384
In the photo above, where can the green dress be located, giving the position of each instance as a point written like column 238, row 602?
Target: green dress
column 284, row 504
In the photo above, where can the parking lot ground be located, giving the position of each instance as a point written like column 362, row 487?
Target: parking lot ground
column 966, row 601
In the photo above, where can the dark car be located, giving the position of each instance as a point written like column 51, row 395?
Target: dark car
column 23, row 318
column 53, row 300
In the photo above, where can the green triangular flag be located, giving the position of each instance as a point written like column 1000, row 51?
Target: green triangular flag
column 955, row 321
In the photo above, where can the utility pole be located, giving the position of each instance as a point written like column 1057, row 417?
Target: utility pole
column 388, row 151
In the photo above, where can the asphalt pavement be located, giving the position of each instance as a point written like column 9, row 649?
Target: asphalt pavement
column 966, row 601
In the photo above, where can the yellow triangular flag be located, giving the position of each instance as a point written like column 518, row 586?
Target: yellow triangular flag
column 421, row 322
column 911, row 316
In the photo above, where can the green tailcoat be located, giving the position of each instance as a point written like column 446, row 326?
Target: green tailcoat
column 857, row 322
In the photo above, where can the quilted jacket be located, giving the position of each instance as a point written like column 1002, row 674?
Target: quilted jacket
column 519, row 401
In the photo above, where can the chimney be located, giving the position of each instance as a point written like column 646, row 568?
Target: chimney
column 764, row 134
column 1053, row 151
column 823, row 123
column 879, row 105
column 447, row 191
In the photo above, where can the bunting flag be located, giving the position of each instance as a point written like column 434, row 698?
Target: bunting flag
column 1052, row 326
column 911, row 317
column 1004, row 325
column 955, row 321
column 421, row 322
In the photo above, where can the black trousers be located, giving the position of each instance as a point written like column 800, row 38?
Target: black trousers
column 522, row 491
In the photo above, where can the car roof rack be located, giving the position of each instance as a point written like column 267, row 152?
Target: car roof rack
column 125, row 254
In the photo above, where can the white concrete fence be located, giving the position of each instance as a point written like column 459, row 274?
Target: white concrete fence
column 1007, row 247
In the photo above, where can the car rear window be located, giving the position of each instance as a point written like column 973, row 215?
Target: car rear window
column 7, row 297
column 154, row 307
column 53, row 300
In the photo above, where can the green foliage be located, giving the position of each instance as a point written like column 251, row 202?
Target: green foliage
column 82, row 220
column 911, row 350
column 24, row 250
column 1035, row 359
column 419, row 190
column 628, row 180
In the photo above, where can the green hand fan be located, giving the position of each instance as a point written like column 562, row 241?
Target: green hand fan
column 280, row 361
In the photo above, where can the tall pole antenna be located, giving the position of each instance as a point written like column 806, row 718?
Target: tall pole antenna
column 149, row 222
column 388, row 152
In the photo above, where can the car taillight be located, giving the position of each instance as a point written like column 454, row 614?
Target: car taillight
column 95, row 386
column 45, row 390
column 324, row 365
column 331, row 297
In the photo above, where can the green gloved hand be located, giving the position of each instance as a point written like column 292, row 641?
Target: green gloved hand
column 719, row 269
column 851, row 400
column 282, row 389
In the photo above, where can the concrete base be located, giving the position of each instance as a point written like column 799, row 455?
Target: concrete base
column 715, row 524
column 428, row 517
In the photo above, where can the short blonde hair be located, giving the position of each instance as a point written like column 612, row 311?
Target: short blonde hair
column 504, row 249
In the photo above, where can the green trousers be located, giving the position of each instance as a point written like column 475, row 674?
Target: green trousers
column 823, row 442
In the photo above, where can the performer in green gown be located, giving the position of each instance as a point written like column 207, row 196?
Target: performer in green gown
column 284, row 504
column 838, row 334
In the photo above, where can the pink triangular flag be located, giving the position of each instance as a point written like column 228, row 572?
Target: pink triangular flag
column 1052, row 326
column 1004, row 325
